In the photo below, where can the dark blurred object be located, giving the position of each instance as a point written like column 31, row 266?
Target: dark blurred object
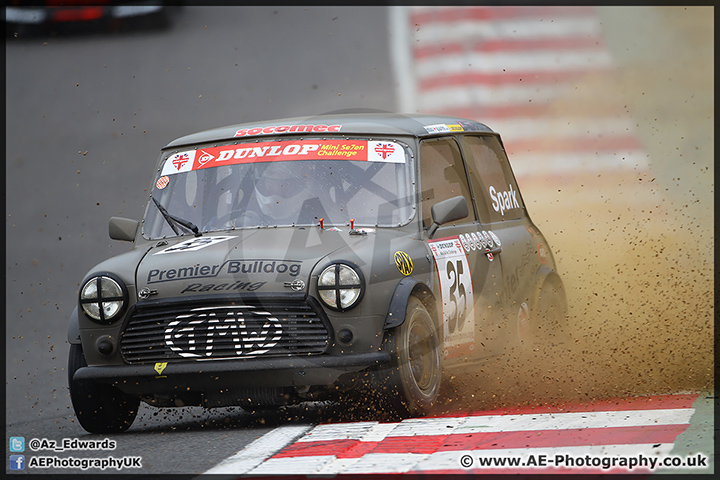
column 31, row 18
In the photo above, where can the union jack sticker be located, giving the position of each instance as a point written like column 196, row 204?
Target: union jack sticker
column 386, row 152
column 179, row 162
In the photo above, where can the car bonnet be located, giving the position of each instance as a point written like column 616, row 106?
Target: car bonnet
column 259, row 261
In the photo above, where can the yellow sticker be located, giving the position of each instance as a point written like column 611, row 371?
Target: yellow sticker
column 404, row 263
column 456, row 128
column 159, row 367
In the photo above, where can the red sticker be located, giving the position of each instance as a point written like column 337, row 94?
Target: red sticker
column 162, row 182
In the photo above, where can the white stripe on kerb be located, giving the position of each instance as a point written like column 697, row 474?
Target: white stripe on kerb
column 509, row 62
column 260, row 450
column 401, row 60
column 514, row 29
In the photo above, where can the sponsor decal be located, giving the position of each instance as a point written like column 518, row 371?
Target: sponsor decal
column 162, row 182
column 523, row 322
column 487, row 241
column 477, row 240
column 542, row 253
column 403, row 262
column 204, row 157
column 384, row 149
column 495, row 238
column 276, row 129
column 194, row 244
column 443, row 128
column 505, row 200
column 159, row 367
column 179, row 162
column 283, row 151
column 456, row 291
column 465, row 239
column 229, row 267
column 193, row 335
column 222, row 287
column 439, row 128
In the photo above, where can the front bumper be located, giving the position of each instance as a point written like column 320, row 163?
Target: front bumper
column 212, row 376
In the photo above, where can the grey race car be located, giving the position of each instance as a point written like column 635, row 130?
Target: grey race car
column 287, row 260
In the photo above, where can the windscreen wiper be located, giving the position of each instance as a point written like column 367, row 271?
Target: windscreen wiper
column 172, row 220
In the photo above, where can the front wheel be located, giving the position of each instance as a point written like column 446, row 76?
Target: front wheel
column 415, row 373
column 99, row 408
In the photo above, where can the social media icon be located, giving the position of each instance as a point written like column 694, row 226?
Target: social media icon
column 17, row 462
column 17, row 444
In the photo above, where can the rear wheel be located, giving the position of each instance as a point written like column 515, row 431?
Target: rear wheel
column 547, row 321
column 99, row 408
column 415, row 374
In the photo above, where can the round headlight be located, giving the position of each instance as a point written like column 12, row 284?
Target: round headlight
column 103, row 298
column 340, row 286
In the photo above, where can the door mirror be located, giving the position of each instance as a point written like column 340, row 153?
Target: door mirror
column 455, row 208
column 123, row 229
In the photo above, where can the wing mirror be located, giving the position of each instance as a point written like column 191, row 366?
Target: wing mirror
column 123, row 229
column 455, row 208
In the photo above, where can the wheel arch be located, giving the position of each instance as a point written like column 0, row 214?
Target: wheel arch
column 73, row 332
column 547, row 277
column 406, row 288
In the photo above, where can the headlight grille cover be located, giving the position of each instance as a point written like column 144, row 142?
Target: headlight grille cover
column 103, row 297
column 340, row 286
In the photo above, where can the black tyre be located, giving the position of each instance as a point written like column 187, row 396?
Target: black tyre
column 415, row 375
column 99, row 408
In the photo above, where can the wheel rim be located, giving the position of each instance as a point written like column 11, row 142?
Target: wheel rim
column 421, row 353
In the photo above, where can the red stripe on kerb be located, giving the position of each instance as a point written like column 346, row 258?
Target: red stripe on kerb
column 507, row 45
column 505, row 78
column 428, row 444
column 325, row 447
column 561, row 438
column 485, row 114
column 457, row 14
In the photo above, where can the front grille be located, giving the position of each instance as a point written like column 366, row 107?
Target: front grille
column 169, row 332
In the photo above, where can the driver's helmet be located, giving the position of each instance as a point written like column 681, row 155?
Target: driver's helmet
column 281, row 188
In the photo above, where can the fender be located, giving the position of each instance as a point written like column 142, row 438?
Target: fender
column 544, row 275
column 398, row 304
column 73, row 333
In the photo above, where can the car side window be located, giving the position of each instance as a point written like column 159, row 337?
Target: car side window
column 492, row 180
column 442, row 175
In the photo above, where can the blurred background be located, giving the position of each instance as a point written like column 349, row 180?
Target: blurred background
column 606, row 113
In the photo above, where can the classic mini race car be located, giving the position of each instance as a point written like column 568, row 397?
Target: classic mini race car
column 289, row 260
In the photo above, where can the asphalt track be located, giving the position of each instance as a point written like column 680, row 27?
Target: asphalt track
column 86, row 114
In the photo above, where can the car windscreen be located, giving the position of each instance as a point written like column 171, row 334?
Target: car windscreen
column 294, row 182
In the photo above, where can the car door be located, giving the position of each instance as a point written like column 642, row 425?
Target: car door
column 469, row 280
column 502, row 214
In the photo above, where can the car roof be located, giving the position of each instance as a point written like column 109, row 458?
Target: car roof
column 362, row 123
